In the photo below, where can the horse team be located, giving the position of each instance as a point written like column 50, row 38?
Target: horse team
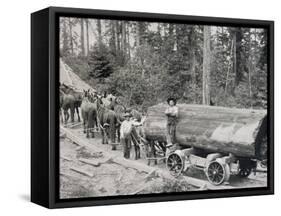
column 103, row 112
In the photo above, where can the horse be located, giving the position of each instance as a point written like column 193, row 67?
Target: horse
column 113, row 103
column 136, row 115
column 67, row 102
column 77, row 98
column 60, row 107
column 89, row 114
column 107, row 122
column 119, row 109
column 109, row 101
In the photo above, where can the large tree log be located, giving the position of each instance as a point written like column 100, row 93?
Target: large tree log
column 214, row 129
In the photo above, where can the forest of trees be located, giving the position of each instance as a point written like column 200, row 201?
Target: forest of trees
column 144, row 63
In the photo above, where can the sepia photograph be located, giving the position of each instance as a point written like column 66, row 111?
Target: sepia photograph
column 161, row 107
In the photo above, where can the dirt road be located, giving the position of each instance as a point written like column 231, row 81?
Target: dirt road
column 90, row 171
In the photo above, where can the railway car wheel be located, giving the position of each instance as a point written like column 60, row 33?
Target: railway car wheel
column 175, row 164
column 217, row 172
column 244, row 172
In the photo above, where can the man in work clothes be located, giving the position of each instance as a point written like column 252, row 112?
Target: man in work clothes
column 172, row 117
column 126, row 133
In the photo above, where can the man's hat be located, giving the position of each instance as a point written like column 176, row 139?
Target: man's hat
column 171, row 98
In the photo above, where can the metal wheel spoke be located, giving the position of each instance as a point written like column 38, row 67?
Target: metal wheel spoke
column 174, row 164
column 215, row 173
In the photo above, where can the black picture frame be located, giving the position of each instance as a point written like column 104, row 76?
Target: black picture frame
column 45, row 100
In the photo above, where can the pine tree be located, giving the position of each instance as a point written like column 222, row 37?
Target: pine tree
column 100, row 62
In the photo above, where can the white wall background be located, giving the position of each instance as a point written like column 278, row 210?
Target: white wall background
column 15, row 106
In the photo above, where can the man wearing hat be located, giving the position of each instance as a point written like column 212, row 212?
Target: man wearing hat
column 125, row 133
column 172, row 116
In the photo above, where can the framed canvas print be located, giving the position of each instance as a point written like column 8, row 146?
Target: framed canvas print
column 138, row 107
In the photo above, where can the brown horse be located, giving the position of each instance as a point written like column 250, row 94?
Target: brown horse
column 107, row 122
column 67, row 103
column 77, row 98
column 89, row 113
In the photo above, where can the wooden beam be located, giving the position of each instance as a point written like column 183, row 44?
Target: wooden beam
column 94, row 162
column 65, row 158
column 90, row 162
column 83, row 172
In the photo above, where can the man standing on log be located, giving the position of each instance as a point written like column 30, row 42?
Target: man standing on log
column 172, row 117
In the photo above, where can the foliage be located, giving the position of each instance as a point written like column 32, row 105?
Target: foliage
column 138, row 91
column 100, row 62
column 145, row 63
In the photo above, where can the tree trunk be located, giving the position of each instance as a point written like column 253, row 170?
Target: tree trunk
column 172, row 37
column 123, row 37
column 178, row 38
column 228, row 70
column 65, row 48
column 70, row 35
column 87, row 34
column 99, row 32
column 255, row 58
column 237, row 52
column 113, row 36
column 222, row 32
column 117, row 35
column 235, row 72
column 137, row 35
column 250, row 69
column 82, row 37
column 211, row 128
column 128, row 42
column 206, row 65
column 193, row 74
